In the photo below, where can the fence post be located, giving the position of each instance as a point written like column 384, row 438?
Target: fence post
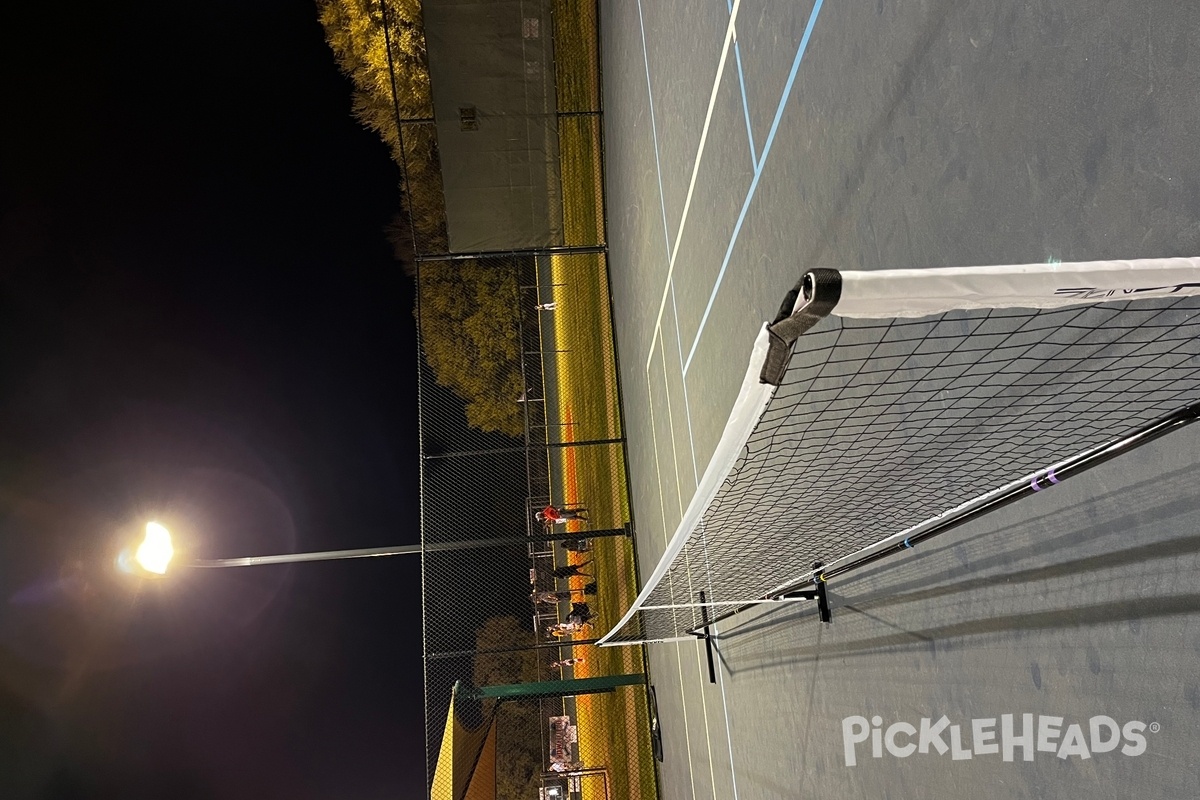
column 562, row 688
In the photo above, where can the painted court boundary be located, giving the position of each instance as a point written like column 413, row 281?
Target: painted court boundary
column 758, row 163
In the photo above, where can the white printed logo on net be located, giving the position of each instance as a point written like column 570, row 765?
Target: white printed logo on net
column 1030, row 734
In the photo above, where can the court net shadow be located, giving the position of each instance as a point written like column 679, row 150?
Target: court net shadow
column 1009, row 578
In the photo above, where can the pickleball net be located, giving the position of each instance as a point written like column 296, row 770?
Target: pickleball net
column 878, row 405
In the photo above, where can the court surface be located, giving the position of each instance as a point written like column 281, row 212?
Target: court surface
column 748, row 142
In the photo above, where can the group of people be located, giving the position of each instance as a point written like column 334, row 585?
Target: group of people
column 580, row 617
column 553, row 515
column 579, row 620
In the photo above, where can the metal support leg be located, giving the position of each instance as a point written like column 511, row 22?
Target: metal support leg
column 817, row 593
column 708, row 645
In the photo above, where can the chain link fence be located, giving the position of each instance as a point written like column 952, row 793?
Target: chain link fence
column 520, row 411
column 509, row 599
column 570, row 122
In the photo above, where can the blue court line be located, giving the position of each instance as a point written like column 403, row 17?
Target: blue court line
column 737, row 228
column 737, row 54
column 654, row 133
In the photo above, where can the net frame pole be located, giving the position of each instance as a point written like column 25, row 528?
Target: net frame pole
column 985, row 504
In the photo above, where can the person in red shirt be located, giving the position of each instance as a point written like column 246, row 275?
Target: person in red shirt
column 553, row 515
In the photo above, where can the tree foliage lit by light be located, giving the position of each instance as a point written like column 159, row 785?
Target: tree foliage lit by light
column 468, row 310
column 382, row 87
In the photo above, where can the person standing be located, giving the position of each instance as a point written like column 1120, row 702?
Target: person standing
column 571, row 570
column 568, row 662
column 553, row 515
column 580, row 614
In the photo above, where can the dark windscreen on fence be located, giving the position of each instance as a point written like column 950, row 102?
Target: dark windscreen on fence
column 491, row 66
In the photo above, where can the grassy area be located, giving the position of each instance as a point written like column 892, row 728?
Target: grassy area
column 614, row 729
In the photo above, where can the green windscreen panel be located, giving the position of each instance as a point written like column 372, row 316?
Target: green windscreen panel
column 491, row 64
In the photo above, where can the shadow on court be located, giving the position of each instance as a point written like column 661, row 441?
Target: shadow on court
column 927, row 638
column 923, row 591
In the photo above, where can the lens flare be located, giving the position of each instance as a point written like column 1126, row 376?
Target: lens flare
column 155, row 552
column 125, row 561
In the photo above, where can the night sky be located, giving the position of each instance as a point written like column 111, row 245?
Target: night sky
column 201, row 322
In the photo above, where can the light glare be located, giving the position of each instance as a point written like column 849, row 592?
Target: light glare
column 155, row 552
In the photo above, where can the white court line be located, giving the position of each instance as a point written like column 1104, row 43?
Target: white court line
column 720, row 671
column 730, row 37
column 666, row 536
column 671, row 428
column 687, row 410
column 695, row 484
column 725, row 705
column 662, row 508
column 687, row 203
column 654, row 135
column 687, row 406
column 712, row 774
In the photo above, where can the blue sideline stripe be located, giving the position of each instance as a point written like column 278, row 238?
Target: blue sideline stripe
column 737, row 54
column 787, row 90
column 654, row 132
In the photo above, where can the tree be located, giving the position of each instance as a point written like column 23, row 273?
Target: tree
column 467, row 313
column 390, row 88
column 519, row 731
column 509, row 666
column 469, row 331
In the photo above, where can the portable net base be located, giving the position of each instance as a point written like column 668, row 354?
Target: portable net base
column 916, row 400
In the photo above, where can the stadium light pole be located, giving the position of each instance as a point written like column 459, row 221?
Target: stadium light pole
column 155, row 553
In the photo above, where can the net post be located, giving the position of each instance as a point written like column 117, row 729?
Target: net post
column 818, row 593
column 707, row 637
column 823, row 611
